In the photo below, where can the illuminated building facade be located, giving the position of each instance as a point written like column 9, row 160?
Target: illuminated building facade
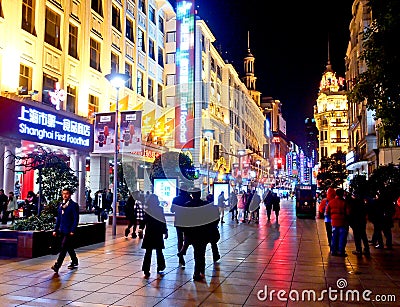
column 67, row 47
column 330, row 114
column 64, row 49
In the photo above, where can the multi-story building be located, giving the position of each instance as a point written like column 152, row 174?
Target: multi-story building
column 54, row 57
column 362, row 134
column 330, row 114
column 67, row 47
column 368, row 148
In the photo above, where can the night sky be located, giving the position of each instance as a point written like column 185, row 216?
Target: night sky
column 289, row 41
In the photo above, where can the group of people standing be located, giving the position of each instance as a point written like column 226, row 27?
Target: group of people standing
column 245, row 207
column 342, row 210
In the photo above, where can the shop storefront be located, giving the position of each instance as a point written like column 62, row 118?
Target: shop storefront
column 26, row 125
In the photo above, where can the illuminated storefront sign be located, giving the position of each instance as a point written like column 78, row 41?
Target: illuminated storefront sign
column 184, row 110
column 27, row 122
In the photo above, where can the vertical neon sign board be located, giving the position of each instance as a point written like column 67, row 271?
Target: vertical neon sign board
column 184, row 103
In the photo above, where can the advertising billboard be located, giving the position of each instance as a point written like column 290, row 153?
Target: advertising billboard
column 131, row 131
column 166, row 190
column 104, row 133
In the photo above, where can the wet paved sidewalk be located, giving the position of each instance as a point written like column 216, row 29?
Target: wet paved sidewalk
column 258, row 263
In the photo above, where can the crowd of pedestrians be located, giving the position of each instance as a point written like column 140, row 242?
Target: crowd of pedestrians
column 342, row 211
column 196, row 222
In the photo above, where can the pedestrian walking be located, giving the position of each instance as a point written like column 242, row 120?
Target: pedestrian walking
column 254, row 207
column 330, row 195
column 383, row 221
column 338, row 212
column 249, row 196
column 12, row 206
column 199, row 232
column 131, row 216
column 178, row 208
column 3, row 206
column 267, row 199
column 17, row 190
column 221, row 205
column 233, row 202
column 358, row 222
column 155, row 233
column 66, row 224
column 241, row 206
column 276, row 206
column 139, row 213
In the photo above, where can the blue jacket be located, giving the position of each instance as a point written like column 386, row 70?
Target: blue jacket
column 67, row 221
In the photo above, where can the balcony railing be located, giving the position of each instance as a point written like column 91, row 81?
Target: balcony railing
column 339, row 140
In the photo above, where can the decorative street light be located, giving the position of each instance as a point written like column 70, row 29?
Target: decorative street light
column 241, row 153
column 117, row 80
column 208, row 135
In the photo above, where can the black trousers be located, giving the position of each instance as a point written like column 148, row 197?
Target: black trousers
column 328, row 228
column 147, row 260
column 179, row 235
column 199, row 252
column 360, row 236
column 67, row 246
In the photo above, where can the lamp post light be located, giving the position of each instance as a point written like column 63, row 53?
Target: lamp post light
column 208, row 134
column 241, row 153
column 117, row 80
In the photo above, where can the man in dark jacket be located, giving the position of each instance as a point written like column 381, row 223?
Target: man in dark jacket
column 202, row 220
column 177, row 207
column 66, row 224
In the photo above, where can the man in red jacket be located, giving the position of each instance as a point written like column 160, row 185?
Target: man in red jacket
column 338, row 212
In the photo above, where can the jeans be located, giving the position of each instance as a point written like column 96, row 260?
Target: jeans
column 339, row 239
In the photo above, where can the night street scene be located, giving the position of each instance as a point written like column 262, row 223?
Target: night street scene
column 199, row 153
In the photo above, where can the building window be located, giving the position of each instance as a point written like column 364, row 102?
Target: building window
column 171, row 37
column 152, row 14
column 95, row 54
column 114, row 63
column 93, row 106
column 152, row 54
column 129, row 30
column 25, row 79
column 142, row 6
column 161, row 24
column 73, row 41
column 160, row 57
column 171, row 58
column 140, row 41
column 1, row 10
column 139, row 83
column 116, row 19
column 97, row 6
column 128, row 71
column 48, row 86
column 71, row 99
column 52, row 31
column 150, row 89
column 28, row 16
column 160, row 101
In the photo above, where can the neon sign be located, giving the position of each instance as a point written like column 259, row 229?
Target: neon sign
column 184, row 110
column 31, row 123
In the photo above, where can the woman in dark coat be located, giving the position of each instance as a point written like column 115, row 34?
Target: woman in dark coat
column 155, row 233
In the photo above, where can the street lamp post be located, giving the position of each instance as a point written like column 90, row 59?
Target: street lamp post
column 208, row 134
column 117, row 80
column 240, row 154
